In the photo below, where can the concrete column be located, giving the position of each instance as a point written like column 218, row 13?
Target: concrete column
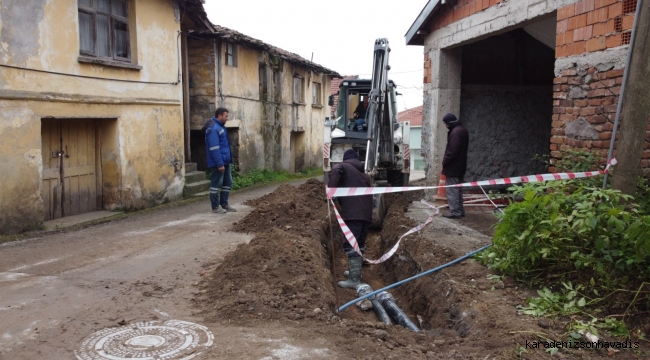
column 441, row 96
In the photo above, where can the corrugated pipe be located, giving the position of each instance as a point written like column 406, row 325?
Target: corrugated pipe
column 412, row 278
column 364, row 289
column 388, row 301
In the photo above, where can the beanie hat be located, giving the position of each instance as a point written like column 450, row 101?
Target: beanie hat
column 449, row 118
column 350, row 154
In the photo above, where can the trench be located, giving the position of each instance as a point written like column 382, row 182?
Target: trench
column 430, row 302
column 285, row 272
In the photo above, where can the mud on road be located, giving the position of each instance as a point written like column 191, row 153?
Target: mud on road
column 284, row 277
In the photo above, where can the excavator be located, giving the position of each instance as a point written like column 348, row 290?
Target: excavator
column 380, row 140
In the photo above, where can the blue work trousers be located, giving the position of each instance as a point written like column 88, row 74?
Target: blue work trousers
column 220, row 184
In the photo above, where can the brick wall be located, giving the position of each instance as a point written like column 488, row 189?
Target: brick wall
column 593, row 25
column 462, row 9
column 585, row 97
column 584, row 110
column 427, row 69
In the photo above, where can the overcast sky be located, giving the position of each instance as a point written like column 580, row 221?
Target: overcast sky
column 340, row 33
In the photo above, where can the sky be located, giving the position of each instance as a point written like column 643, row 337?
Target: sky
column 340, row 34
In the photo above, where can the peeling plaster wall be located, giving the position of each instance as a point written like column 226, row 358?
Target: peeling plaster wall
column 142, row 153
column 264, row 125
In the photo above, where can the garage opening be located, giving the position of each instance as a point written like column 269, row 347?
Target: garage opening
column 507, row 101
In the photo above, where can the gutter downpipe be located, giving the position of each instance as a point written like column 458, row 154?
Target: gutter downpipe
column 620, row 97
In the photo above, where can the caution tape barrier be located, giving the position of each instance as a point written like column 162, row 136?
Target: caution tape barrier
column 342, row 192
column 357, row 191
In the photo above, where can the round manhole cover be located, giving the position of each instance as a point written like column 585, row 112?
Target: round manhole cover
column 155, row 340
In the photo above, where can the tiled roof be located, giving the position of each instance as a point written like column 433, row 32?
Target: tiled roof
column 334, row 89
column 195, row 11
column 414, row 115
column 236, row 37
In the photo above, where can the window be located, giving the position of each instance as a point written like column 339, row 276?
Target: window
column 104, row 29
column 298, row 90
column 264, row 84
column 276, row 86
column 231, row 54
column 316, row 94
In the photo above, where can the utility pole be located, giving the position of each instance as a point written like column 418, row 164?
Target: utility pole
column 636, row 106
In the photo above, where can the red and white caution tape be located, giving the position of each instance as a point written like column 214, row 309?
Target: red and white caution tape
column 355, row 245
column 356, row 191
column 340, row 192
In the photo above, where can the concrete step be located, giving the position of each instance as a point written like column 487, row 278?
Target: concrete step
column 191, row 189
column 190, row 167
column 202, row 193
column 194, row 176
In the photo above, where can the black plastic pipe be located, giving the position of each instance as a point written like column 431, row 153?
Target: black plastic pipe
column 364, row 289
column 388, row 301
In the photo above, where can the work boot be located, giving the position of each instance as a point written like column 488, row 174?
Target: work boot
column 354, row 268
column 218, row 210
column 228, row 208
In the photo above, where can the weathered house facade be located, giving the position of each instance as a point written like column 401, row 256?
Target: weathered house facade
column 91, row 110
column 528, row 78
column 278, row 101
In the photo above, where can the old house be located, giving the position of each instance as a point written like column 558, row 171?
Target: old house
column 278, row 101
column 91, row 107
column 528, row 78
column 414, row 117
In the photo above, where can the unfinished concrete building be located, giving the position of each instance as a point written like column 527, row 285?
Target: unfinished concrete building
column 528, row 78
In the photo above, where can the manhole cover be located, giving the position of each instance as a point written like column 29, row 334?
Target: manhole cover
column 154, row 340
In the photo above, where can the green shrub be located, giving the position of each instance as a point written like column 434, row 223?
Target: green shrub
column 583, row 234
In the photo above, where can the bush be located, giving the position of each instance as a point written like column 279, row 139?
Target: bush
column 583, row 234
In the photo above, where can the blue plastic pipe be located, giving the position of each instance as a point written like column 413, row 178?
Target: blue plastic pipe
column 412, row 278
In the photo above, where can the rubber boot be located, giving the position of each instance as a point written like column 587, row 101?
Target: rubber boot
column 354, row 268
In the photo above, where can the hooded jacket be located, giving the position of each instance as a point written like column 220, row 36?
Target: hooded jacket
column 454, row 162
column 349, row 173
column 217, row 146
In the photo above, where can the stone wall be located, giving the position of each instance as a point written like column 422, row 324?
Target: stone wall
column 507, row 128
column 201, row 77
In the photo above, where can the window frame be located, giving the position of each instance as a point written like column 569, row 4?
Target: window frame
column 263, row 82
column 232, row 55
column 317, row 99
column 301, row 92
column 112, row 18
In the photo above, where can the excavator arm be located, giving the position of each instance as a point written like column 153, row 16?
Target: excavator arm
column 380, row 147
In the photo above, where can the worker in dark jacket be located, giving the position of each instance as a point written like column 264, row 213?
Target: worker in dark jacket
column 360, row 114
column 219, row 160
column 356, row 211
column 454, row 164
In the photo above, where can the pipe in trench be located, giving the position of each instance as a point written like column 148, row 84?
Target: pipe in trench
column 364, row 289
column 388, row 301
column 413, row 278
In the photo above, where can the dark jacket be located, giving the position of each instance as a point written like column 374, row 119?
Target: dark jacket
column 454, row 163
column 217, row 146
column 350, row 173
column 361, row 111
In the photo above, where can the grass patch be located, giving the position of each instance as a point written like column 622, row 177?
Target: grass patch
column 265, row 176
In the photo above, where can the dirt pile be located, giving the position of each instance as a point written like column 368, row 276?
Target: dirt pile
column 301, row 211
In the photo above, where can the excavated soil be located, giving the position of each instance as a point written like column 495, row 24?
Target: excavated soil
column 284, row 276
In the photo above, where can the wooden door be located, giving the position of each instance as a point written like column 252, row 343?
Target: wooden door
column 51, row 189
column 69, row 179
